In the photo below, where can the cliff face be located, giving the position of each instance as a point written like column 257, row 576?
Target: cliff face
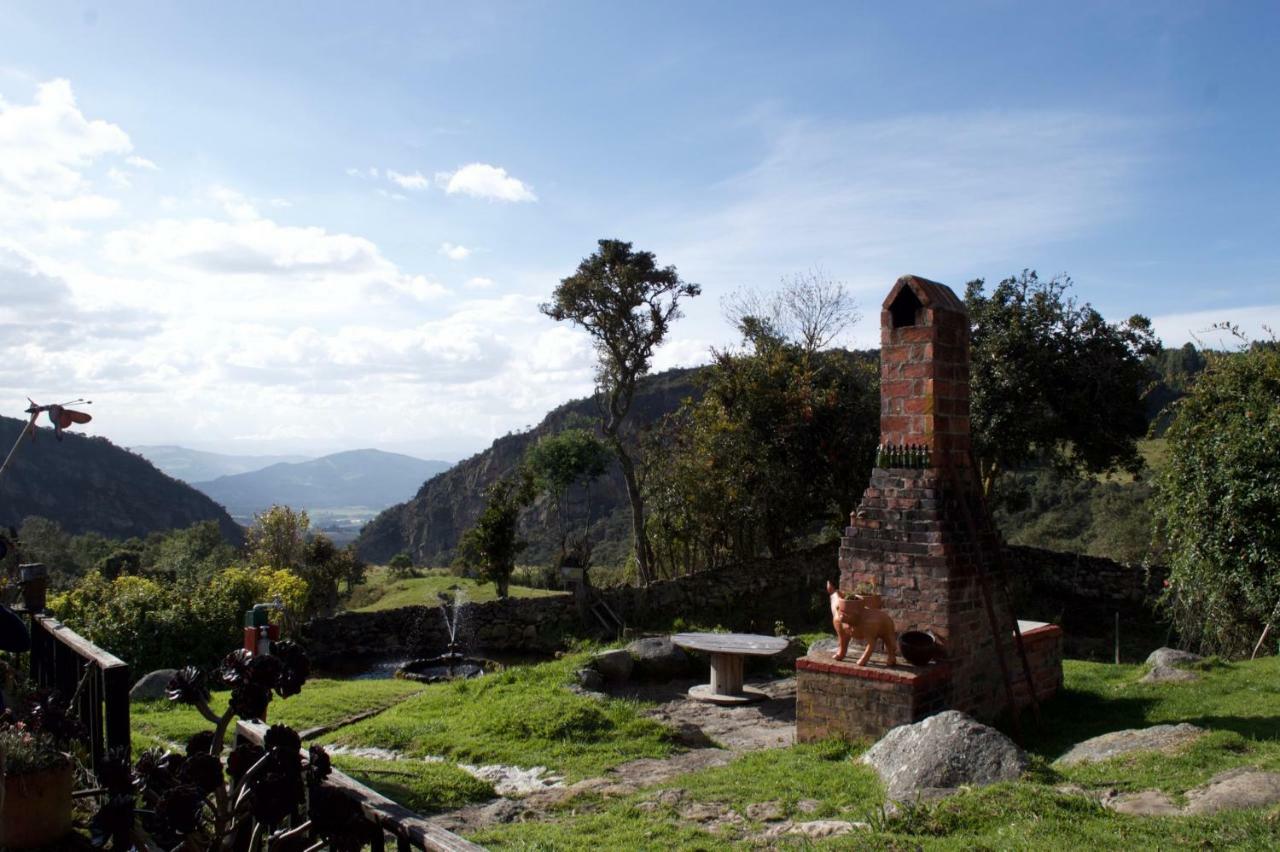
column 429, row 525
column 91, row 485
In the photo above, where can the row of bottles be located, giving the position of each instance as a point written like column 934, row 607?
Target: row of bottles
column 903, row 455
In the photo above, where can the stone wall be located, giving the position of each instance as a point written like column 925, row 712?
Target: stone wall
column 1079, row 592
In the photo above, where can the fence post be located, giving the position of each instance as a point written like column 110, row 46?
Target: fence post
column 115, row 688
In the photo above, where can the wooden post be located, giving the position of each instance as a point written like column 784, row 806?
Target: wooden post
column 115, row 699
column 1117, row 637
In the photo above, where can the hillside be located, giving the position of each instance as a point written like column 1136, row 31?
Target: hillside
column 91, row 485
column 197, row 466
column 429, row 525
column 369, row 479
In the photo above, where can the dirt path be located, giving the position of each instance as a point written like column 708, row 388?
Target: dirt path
column 714, row 736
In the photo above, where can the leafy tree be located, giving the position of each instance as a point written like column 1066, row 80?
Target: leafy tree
column 1052, row 381
column 1218, row 500
column 780, row 442
column 401, row 565
column 491, row 546
column 324, row 564
column 558, row 462
column 199, row 551
column 626, row 302
column 355, row 567
column 277, row 538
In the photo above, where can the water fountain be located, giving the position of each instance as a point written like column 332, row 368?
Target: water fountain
column 454, row 663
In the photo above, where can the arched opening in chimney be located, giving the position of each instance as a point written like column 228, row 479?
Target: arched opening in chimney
column 904, row 309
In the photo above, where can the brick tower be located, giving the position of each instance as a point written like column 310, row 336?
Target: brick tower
column 910, row 538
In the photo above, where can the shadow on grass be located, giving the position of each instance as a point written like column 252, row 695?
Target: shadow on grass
column 1074, row 715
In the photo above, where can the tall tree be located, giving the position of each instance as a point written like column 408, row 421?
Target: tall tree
column 626, row 302
column 278, row 538
column 1217, row 501
column 557, row 463
column 808, row 310
column 1054, row 382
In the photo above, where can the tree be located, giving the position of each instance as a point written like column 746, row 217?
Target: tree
column 1053, row 382
column 401, row 565
column 491, row 546
column 558, row 462
column 626, row 302
column 779, row 443
column 278, row 538
column 355, row 567
column 1218, row 498
column 808, row 309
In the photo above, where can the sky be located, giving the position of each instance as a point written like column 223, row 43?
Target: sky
column 309, row 227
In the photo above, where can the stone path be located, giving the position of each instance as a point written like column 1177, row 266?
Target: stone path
column 1235, row 789
column 714, row 736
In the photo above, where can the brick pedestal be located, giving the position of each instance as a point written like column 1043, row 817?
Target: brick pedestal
column 849, row 701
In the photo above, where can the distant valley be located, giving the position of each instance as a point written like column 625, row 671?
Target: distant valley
column 340, row 492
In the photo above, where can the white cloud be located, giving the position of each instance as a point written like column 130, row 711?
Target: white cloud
column 454, row 252
column 119, row 178
column 415, row 181
column 485, row 181
column 394, row 196
column 1256, row 323
column 46, row 145
column 479, row 283
column 141, row 163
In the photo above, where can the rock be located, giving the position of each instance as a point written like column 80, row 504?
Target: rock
column 590, row 679
column 657, row 658
column 1168, row 674
column 765, row 811
column 815, row 829
column 808, row 806
column 614, row 665
column 152, row 686
column 690, row 735
column 944, row 751
column 1145, row 803
column 703, row 812
column 1163, row 738
column 1234, row 789
column 1172, row 657
column 502, row 810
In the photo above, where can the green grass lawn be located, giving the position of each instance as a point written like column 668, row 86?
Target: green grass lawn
column 382, row 591
column 321, row 702
column 418, row 785
column 523, row 716
column 1238, row 702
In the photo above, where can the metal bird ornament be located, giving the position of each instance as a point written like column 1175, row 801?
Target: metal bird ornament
column 59, row 415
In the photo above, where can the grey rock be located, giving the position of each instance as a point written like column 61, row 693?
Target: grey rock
column 152, row 686
column 590, row 680
column 1234, row 789
column 614, row 665
column 690, row 735
column 1144, row 803
column 657, row 658
column 1163, row 738
column 944, row 751
column 1168, row 674
column 815, row 829
column 808, row 806
column 1172, row 657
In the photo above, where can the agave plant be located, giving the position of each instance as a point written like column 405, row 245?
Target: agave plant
column 266, row 798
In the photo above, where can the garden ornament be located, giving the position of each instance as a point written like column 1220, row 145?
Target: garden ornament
column 853, row 619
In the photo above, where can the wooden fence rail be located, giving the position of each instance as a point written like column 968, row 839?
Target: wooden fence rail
column 64, row 660
column 410, row 830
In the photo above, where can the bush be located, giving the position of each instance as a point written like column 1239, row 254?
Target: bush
column 153, row 623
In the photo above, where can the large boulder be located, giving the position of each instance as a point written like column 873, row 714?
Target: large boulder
column 152, row 686
column 658, row 658
column 941, row 753
column 1162, row 738
column 1172, row 657
column 614, row 665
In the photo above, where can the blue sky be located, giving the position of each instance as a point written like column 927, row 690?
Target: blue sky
column 311, row 227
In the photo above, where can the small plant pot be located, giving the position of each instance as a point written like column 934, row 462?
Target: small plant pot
column 870, row 600
column 37, row 808
column 918, row 647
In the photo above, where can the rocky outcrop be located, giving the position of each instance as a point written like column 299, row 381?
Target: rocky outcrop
column 152, row 686
column 1166, row 666
column 91, row 485
column 933, row 757
column 1161, row 738
column 657, row 658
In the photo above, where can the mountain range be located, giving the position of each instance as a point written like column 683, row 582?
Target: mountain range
column 368, row 480
column 91, row 485
column 198, row 466
column 429, row 525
